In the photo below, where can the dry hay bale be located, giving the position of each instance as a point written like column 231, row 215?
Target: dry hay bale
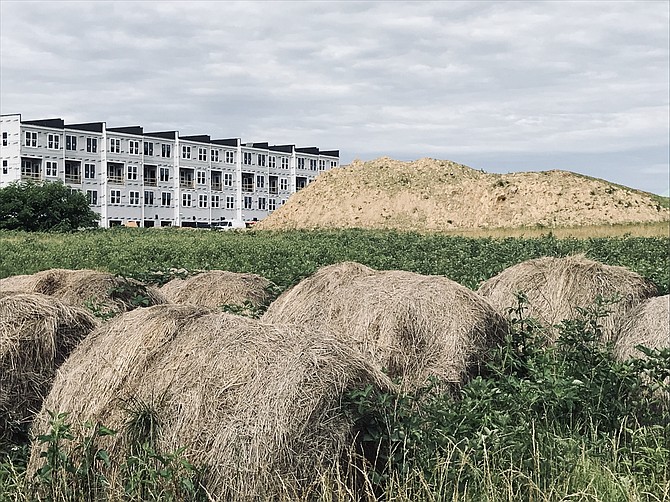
column 37, row 332
column 258, row 404
column 648, row 324
column 219, row 287
column 556, row 286
column 412, row 326
column 92, row 288
column 23, row 283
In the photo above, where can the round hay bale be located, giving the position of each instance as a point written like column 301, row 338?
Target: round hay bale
column 412, row 326
column 218, row 287
column 556, row 286
column 37, row 333
column 22, row 283
column 648, row 324
column 100, row 290
column 257, row 404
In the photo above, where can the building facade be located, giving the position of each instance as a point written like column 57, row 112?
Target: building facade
column 149, row 179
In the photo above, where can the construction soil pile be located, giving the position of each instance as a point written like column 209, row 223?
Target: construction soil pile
column 440, row 195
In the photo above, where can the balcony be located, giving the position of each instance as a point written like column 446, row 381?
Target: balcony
column 150, row 182
column 113, row 179
column 186, row 183
column 217, row 186
column 30, row 175
column 73, row 179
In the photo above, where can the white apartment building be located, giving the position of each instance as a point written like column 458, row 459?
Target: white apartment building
column 147, row 179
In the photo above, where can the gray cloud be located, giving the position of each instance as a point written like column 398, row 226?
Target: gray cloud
column 488, row 84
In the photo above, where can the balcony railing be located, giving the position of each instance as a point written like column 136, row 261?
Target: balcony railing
column 217, row 186
column 150, row 182
column 247, row 187
column 186, row 183
column 30, row 176
column 115, row 180
column 75, row 180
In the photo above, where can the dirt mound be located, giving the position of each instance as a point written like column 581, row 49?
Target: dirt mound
column 258, row 404
column 440, row 195
column 413, row 326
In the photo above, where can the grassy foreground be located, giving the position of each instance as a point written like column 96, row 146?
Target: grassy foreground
column 540, row 423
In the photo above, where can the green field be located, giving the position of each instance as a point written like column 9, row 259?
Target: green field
column 287, row 257
column 539, row 424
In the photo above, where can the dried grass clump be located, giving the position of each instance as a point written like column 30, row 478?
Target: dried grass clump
column 648, row 324
column 412, row 326
column 37, row 333
column 102, row 290
column 218, row 287
column 258, row 404
column 556, row 286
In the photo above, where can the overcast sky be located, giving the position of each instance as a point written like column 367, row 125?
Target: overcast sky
column 500, row 86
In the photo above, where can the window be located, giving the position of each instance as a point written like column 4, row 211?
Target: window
column 148, row 148
column 185, row 152
column 283, row 184
column 133, row 147
column 248, row 202
column 260, row 181
column 322, row 165
column 92, row 197
column 52, row 168
column 272, row 161
column 301, row 163
column 4, row 167
column 164, row 174
column 132, row 173
column 261, row 203
column 246, row 158
column 148, row 198
column 89, row 171
column 186, row 200
column 70, row 142
column 72, row 172
column 114, row 146
column 273, row 185
column 201, row 177
column 202, row 154
column 261, row 159
column 214, row 155
column 53, row 141
column 134, row 198
column 166, row 198
column 230, row 157
column 115, row 197
column 228, row 179
column 230, row 202
column 284, row 163
column 166, row 150
column 215, row 201
column 4, row 140
column 247, row 182
column 312, row 164
column 92, row 145
column 333, row 163
column 272, row 204
column 202, row 200
column 31, row 138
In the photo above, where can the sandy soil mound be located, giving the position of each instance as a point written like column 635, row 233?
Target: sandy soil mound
column 436, row 195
